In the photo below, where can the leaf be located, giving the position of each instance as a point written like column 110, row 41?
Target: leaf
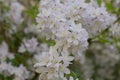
column 99, row 2
column 49, row 42
column 32, row 11
column 76, row 71
column 109, row 6
column 118, row 11
column 19, row 59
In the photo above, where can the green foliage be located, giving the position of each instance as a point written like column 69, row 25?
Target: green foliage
column 49, row 42
column 76, row 72
column 109, row 7
column 2, row 77
column 73, row 74
column 1, row 38
column 118, row 12
column 3, row 7
column 19, row 59
column 99, row 2
column 102, row 39
column 32, row 11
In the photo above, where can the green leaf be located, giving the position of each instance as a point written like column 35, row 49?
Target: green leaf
column 49, row 42
column 76, row 71
column 74, row 75
column 109, row 6
column 19, row 59
column 32, row 11
column 118, row 11
column 99, row 2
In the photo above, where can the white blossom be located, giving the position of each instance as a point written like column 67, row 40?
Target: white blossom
column 29, row 45
column 51, row 65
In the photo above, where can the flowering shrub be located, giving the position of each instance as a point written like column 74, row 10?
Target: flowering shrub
column 59, row 40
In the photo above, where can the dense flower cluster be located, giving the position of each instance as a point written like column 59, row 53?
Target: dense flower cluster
column 89, row 15
column 68, row 23
column 59, row 40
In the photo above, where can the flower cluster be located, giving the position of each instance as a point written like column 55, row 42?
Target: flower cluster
column 20, row 73
column 115, row 30
column 68, row 23
column 102, row 62
column 59, row 40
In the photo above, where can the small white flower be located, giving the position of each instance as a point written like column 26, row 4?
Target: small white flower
column 16, row 12
column 29, row 45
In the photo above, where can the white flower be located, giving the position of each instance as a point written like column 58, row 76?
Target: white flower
column 20, row 73
column 22, row 48
column 52, row 64
column 69, row 23
column 76, row 35
column 16, row 12
column 29, row 45
column 115, row 30
column 71, row 78
column 4, row 52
